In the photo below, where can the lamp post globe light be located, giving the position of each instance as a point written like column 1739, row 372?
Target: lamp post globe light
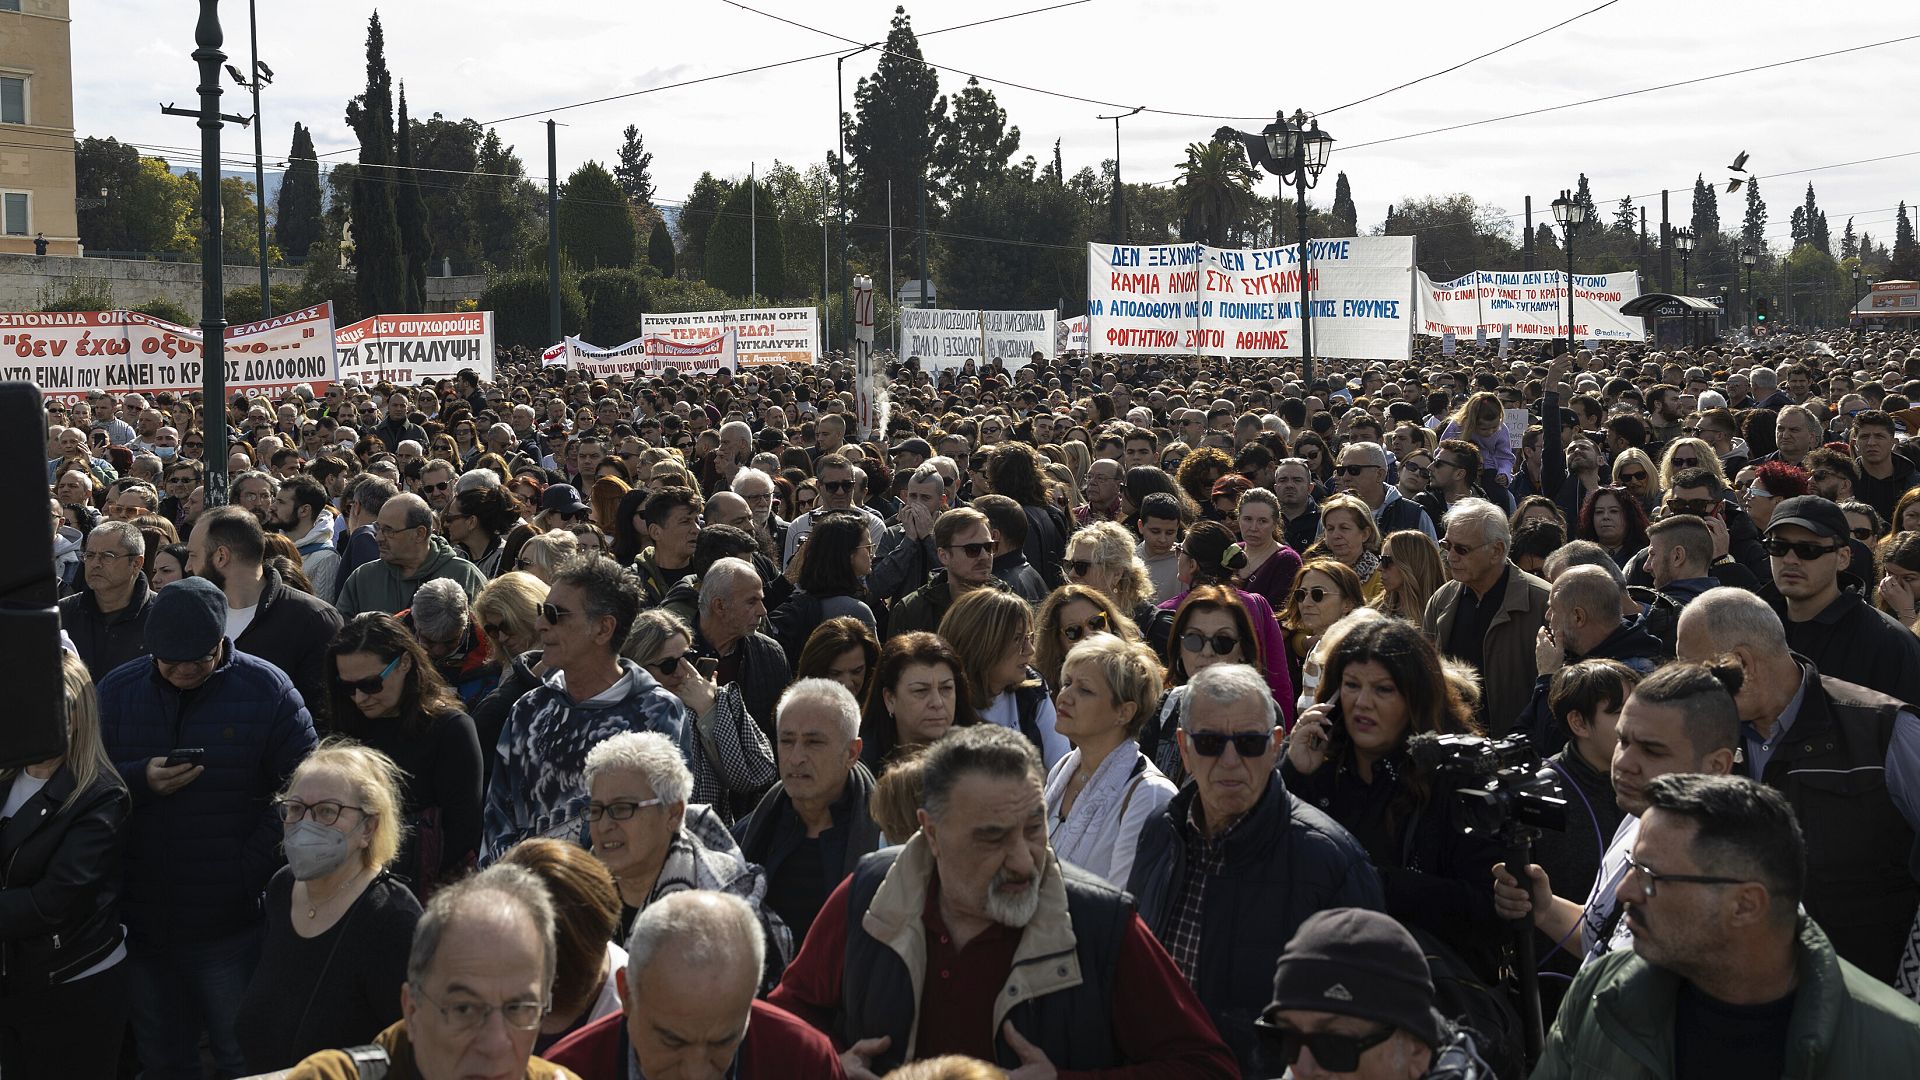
column 1571, row 214
column 1747, row 259
column 1683, row 243
column 1298, row 149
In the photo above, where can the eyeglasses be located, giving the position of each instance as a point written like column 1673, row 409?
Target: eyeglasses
column 1631, row 477
column 1078, row 567
column 1462, row 550
column 622, row 810
column 667, row 665
column 1386, row 561
column 324, row 812
column 836, row 487
column 441, row 486
column 467, row 1015
column 1651, row 880
column 1222, row 642
column 371, row 686
column 1333, row 1052
column 1424, row 474
column 380, row 530
column 1248, row 744
column 553, row 614
column 1444, row 463
column 493, row 630
column 1353, row 470
column 971, row 551
column 1095, row 624
column 107, row 557
column 1696, row 507
column 1684, row 463
column 194, row 445
column 1758, row 493
column 1862, row 533
column 1801, row 550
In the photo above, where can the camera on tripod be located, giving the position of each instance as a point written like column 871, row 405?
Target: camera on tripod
column 1503, row 782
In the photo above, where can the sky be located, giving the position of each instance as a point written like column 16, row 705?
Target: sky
column 491, row 59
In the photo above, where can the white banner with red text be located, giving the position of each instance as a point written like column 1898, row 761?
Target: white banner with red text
column 650, row 356
column 770, row 336
column 410, row 349
column 1192, row 298
column 1530, row 304
column 74, row 353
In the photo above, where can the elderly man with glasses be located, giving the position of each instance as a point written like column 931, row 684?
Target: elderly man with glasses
column 411, row 554
column 107, row 621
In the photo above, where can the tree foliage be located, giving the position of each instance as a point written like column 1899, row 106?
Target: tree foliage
column 1753, row 227
column 1457, row 234
column 519, row 305
column 296, row 223
column 615, row 300
column 502, row 207
column 1214, row 191
column 378, row 258
column 697, row 216
column 632, row 168
column 974, row 145
column 1905, row 263
column 749, row 222
column 410, row 216
column 660, row 248
column 1048, row 267
column 596, row 224
column 898, row 114
column 1809, row 224
column 1345, row 215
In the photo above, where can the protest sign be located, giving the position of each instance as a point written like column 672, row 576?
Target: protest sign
column 947, row 338
column 1246, row 302
column 1447, row 341
column 554, row 356
column 1070, row 335
column 768, row 336
column 1532, row 302
column 649, row 356
column 410, row 349
column 70, row 354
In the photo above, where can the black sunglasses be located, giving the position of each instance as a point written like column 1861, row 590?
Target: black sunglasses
column 553, row 614
column 1248, row 744
column 1353, row 470
column 1863, row 534
column 971, row 551
column 1078, row 567
column 1317, row 594
column 1801, row 550
column 1223, row 643
column 1095, row 624
column 373, row 685
column 667, row 665
column 1684, row 463
column 837, row 487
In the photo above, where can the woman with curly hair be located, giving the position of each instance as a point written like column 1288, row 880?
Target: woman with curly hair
column 1688, row 453
column 1202, row 469
column 1612, row 518
column 1348, row 533
column 1072, row 614
column 1348, row 755
column 1102, row 556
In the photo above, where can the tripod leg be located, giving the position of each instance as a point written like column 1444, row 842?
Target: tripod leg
column 1525, row 963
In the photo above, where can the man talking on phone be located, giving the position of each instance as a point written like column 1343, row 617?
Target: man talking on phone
column 204, row 736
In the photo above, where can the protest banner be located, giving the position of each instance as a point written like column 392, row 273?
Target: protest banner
column 70, row 354
column 1532, row 303
column 554, row 356
column 947, row 338
column 410, row 349
column 769, row 336
column 1194, row 298
column 1447, row 341
column 649, row 356
column 1070, row 335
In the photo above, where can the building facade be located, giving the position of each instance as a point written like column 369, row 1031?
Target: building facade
column 36, row 128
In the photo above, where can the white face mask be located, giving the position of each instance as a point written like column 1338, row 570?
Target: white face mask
column 314, row 850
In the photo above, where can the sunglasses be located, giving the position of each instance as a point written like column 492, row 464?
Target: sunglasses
column 1248, row 744
column 1352, row 470
column 1333, row 1052
column 1684, row 463
column 1424, row 474
column 493, row 630
column 971, row 551
column 1630, row 477
column 441, row 486
column 1317, row 594
column 837, row 487
column 1801, row 550
column 1095, row 624
column 1222, row 642
column 1696, row 507
column 1078, row 567
column 667, row 665
column 372, row 686
column 1386, row 562
column 1862, row 534
column 553, row 614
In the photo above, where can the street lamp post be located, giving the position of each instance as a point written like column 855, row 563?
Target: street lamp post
column 840, row 169
column 1747, row 259
column 1298, row 149
column 1119, row 196
column 1856, row 295
column 1571, row 214
column 1683, row 243
column 262, row 74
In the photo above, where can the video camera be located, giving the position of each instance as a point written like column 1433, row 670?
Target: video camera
column 1503, row 781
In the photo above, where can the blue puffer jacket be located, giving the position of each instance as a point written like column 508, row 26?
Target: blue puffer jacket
column 198, row 860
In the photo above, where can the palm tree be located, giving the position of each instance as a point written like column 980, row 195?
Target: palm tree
column 1215, row 191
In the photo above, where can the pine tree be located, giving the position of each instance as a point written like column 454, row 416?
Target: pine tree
column 596, row 224
column 748, row 223
column 410, row 215
column 1822, row 235
column 1706, row 211
column 1626, row 220
column 380, row 274
column 1849, row 243
column 296, row 225
column 892, row 137
column 660, row 248
column 1904, row 263
column 1344, row 211
column 696, row 220
column 1583, row 195
column 1753, row 227
column 974, row 144
column 631, row 171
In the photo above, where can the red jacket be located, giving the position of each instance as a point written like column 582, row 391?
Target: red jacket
column 778, row 1045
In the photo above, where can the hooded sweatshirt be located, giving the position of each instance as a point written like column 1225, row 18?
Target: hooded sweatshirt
column 378, row 585
column 318, row 558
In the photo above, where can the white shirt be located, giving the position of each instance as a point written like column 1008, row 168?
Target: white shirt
column 1103, row 831
column 1601, row 903
column 798, row 529
column 238, row 619
column 1005, row 711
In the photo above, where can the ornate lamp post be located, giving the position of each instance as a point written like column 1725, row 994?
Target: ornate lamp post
column 1571, row 215
column 1297, row 149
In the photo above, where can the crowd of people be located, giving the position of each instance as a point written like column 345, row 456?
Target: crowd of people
column 1073, row 724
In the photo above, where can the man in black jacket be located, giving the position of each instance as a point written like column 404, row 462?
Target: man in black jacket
column 813, row 827
column 1583, row 623
column 265, row 618
column 1234, row 864
column 107, row 620
column 1009, row 523
column 396, row 428
column 732, row 603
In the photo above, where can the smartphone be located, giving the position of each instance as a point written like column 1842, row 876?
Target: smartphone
column 707, row 666
column 1318, row 743
column 187, row 755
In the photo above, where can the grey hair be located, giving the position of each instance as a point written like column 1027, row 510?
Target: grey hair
column 926, row 471
column 550, row 550
column 476, row 478
column 705, row 927
column 1491, row 522
column 653, row 628
column 503, row 885
column 736, row 428
column 1592, row 590
column 1581, row 553
column 1373, row 452
column 496, row 429
column 440, row 610
column 371, row 492
column 419, row 514
column 826, row 694
column 746, row 475
column 1733, row 618
column 721, row 580
column 1001, row 753
column 273, row 485
column 404, row 443
column 1224, row 684
column 128, row 534
column 648, row 753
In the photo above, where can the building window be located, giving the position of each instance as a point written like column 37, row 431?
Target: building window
column 13, row 213
column 13, row 101
column 9, row 5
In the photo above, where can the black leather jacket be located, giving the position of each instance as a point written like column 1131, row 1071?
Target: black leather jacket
column 60, row 881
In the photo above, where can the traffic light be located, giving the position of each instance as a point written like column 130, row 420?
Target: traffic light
column 1760, row 305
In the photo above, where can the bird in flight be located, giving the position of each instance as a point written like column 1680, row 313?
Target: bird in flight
column 1739, row 165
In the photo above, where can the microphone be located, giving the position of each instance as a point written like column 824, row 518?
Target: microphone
column 1427, row 751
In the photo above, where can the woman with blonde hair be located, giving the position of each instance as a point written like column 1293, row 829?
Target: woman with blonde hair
column 1634, row 471
column 1105, row 789
column 992, row 633
column 1070, row 615
column 1078, row 459
column 1104, row 556
column 1326, row 592
column 1349, row 534
column 339, row 924
column 1410, row 571
column 543, row 555
column 66, row 986
column 1689, row 453
column 507, row 611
